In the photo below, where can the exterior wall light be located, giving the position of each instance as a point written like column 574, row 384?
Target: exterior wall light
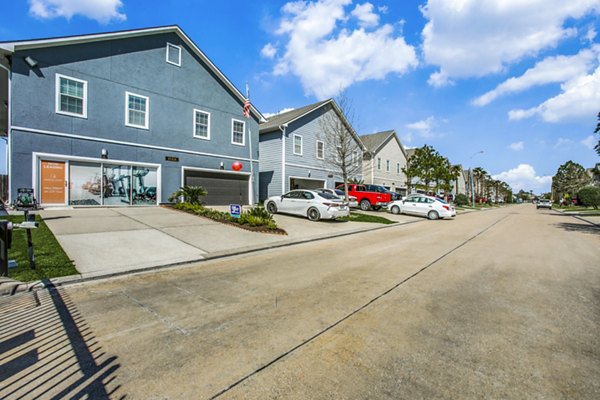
column 104, row 153
column 31, row 62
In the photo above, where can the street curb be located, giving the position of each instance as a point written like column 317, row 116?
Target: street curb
column 78, row 279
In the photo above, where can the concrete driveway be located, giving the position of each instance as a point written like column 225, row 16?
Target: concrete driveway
column 106, row 241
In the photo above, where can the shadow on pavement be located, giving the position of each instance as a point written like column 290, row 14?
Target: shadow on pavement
column 48, row 351
column 579, row 227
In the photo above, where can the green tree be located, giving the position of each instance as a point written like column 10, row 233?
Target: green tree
column 569, row 178
column 423, row 165
column 589, row 196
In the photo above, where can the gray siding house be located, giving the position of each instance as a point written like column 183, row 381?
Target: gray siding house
column 384, row 161
column 124, row 118
column 294, row 151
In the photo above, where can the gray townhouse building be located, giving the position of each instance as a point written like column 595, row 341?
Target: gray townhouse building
column 294, row 150
column 384, row 160
column 124, row 118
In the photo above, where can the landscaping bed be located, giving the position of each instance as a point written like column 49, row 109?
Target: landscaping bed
column 254, row 220
column 359, row 217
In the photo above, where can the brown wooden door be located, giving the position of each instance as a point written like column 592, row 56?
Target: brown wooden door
column 53, row 180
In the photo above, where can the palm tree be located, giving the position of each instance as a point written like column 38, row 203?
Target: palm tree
column 478, row 181
column 190, row 194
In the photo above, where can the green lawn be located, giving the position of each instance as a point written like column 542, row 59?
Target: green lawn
column 50, row 259
column 358, row 217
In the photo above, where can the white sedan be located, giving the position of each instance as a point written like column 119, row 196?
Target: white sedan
column 308, row 203
column 426, row 206
column 352, row 202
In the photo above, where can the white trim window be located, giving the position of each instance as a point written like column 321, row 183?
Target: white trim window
column 173, row 55
column 398, row 168
column 137, row 109
column 387, row 165
column 71, row 96
column 378, row 163
column 320, row 150
column 201, row 124
column 238, row 132
column 298, row 145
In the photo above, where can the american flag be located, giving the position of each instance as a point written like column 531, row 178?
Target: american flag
column 247, row 108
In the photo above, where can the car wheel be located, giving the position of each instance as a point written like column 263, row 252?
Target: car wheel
column 433, row 215
column 313, row 214
column 365, row 205
column 272, row 207
column 395, row 210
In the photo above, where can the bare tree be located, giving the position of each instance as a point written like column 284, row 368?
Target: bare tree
column 343, row 150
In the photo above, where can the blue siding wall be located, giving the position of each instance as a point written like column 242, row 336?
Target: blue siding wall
column 111, row 68
column 307, row 165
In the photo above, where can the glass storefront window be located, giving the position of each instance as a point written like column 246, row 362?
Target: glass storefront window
column 117, row 185
column 144, row 185
column 85, row 184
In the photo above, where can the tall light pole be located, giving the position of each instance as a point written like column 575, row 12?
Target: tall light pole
column 471, row 177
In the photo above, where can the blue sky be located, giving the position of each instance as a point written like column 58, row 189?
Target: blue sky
column 518, row 79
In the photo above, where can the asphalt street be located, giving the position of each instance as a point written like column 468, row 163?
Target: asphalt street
column 496, row 304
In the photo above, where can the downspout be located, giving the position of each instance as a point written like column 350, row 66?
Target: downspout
column 8, row 133
column 372, row 169
column 283, row 128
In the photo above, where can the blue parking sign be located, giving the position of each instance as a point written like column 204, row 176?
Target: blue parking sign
column 235, row 210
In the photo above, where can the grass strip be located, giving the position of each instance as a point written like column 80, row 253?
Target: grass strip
column 359, row 217
column 51, row 261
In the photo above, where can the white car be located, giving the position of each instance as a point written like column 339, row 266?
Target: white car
column 352, row 202
column 308, row 203
column 420, row 204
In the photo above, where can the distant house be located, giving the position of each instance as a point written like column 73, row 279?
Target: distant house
column 459, row 186
column 384, row 160
column 594, row 174
column 124, row 118
column 294, row 151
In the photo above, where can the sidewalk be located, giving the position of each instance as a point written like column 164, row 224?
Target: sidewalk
column 110, row 241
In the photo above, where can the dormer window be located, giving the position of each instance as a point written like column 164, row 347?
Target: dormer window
column 174, row 54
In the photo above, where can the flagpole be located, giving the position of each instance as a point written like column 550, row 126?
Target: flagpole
column 251, row 199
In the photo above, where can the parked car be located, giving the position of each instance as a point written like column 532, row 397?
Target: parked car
column 367, row 199
column 426, row 206
column 308, row 203
column 383, row 189
column 544, row 203
column 352, row 202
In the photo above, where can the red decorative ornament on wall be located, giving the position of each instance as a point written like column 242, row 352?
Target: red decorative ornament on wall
column 236, row 166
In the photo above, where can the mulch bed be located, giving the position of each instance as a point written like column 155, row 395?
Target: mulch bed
column 259, row 229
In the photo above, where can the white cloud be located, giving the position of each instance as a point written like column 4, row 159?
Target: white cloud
column 365, row 15
column 268, row 51
column 562, row 143
column 517, row 146
column 473, row 38
column 269, row 115
column 580, row 97
column 589, row 142
column 557, row 69
column 102, row 11
column 590, row 34
column 524, row 177
column 424, row 127
column 328, row 54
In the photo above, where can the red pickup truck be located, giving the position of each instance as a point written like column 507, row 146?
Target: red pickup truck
column 367, row 199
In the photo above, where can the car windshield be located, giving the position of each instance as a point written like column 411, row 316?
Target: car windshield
column 328, row 196
column 441, row 201
column 340, row 192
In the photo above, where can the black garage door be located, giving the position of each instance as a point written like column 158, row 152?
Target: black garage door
column 223, row 188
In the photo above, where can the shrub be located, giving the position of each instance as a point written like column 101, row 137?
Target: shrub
column 589, row 196
column 190, row 194
column 461, row 200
